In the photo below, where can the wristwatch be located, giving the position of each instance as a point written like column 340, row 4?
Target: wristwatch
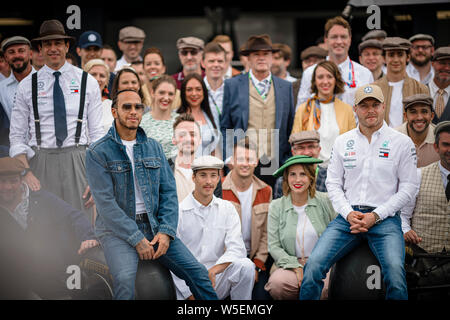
column 377, row 217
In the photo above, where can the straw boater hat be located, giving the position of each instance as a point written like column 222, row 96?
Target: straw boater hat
column 258, row 43
column 52, row 30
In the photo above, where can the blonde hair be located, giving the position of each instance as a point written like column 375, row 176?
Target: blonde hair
column 310, row 172
column 97, row 62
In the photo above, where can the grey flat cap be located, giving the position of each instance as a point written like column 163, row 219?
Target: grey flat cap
column 417, row 98
column 190, row 42
column 441, row 53
column 206, row 162
column 374, row 34
column 304, row 136
column 14, row 40
column 441, row 126
column 371, row 43
column 396, row 43
column 421, row 36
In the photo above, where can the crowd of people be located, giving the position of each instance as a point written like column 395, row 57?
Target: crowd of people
column 245, row 184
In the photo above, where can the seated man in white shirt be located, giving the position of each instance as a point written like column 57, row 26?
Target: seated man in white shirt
column 372, row 175
column 426, row 220
column 211, row 229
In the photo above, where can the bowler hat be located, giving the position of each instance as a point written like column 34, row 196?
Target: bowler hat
column 258, row 43
column 52, row 30
column 302, row 159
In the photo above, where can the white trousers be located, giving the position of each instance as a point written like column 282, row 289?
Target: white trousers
column 236, row 281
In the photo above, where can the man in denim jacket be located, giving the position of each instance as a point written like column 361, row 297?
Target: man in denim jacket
column 134, row 190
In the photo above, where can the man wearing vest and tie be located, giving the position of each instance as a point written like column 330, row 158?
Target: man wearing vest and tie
column 440, row 85
column 426, row 220
column 262, row 106
column 57, row 113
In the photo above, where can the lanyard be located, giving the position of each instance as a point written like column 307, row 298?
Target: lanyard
column 259, row 92
column 351, row 75
column 214, row 102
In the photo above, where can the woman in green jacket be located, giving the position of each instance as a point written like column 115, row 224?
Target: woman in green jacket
column 295, row 223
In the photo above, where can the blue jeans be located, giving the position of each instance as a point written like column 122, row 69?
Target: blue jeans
column 384, row 239
column 122, row 260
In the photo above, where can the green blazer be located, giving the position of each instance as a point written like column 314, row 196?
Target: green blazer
column 282, row 226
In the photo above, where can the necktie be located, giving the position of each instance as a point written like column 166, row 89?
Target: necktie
column 59, row 111
column 440, row 103
column 447, row 189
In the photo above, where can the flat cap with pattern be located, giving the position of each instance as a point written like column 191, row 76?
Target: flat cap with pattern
column 422, row 98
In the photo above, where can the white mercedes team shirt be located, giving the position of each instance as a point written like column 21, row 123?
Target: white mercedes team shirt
column 22, row 128
column 380, row 174
column 361, row 75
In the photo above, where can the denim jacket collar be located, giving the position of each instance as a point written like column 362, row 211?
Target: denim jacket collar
column 141, row 137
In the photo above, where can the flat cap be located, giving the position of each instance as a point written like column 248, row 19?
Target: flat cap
column 417, row 98
column 304, row 136
column 302, row 159
column 371, row 43
column 313, row 51
column 421, row 36
column 441, row 53
column 190, row 42
column 374, row 34
column 206, row 162
column 11, row 166
column 368, row 91
column 14, row 40
column 131, row 34
column 441, row 126
column 396, row 43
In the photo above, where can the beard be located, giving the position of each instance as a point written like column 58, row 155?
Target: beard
column 420, row 63
column 21, row 68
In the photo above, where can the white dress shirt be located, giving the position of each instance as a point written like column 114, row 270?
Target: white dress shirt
column 382, row 174
column 212, row 233
column 8, row 88
column 434, row 93
column 363, row 76
column 22, row 128
column 414, row 73
column 215, row 98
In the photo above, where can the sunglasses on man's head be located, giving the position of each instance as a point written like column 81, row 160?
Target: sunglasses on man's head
column 139, row 107
column 193, row 52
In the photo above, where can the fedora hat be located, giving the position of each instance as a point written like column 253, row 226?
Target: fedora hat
column 258, row 43
column 51, row 30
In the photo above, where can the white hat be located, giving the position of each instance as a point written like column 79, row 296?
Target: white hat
column 206, row 162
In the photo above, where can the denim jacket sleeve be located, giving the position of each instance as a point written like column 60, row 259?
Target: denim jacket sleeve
column 102, row 189
column 168, row 201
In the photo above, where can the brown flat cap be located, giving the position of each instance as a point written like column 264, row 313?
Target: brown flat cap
column 313, row 51
column 396, row 43
column 304, row 136
column 374, row 34
column 11, row 166
column 131, row 34
column 52, row 30
column 421, row 36
column 260, row 42
column 441, row 53
column 417, row 98
column 371, row 43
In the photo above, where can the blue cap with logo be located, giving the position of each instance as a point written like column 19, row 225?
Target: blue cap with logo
column 90, row 38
